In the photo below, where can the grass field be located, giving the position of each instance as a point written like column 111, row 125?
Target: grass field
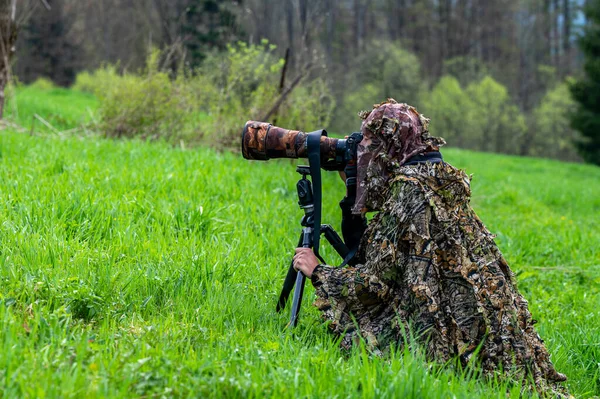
column 132, row 269
column 49, row 109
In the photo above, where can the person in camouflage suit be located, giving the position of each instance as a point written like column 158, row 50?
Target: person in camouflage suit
column 426, row 262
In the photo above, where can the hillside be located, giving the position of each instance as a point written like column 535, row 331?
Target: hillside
column 134, row 269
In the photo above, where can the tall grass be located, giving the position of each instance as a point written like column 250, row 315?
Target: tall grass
column 46, row 108
column 132, row 269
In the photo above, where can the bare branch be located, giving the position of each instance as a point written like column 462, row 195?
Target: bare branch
column 25, row 13
column 287, row 92
column 45, row 3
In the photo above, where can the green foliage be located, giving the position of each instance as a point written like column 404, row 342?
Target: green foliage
column 133, row 269
column 363, row 98
column 550, row 134
column 548, row 77
column 308, row 108
column 383, row 70
column 481, row 117
column 237, row 85
column 62, row 109
column 452, row 114
column 209, row 104
column 500, row 122
column 243, row 84
column 42, row 84
column 397, row 70
column 586, row 91
column 98, row 81
column 466, row 69
column 146, row 104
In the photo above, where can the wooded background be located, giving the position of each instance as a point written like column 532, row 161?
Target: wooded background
column 364, row 50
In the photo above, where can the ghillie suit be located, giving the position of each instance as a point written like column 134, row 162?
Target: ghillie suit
column 427, row 263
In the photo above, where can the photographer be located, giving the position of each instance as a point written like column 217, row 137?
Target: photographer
column 426, row 263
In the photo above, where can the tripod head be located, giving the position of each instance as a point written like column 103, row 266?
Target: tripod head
column 306, row 199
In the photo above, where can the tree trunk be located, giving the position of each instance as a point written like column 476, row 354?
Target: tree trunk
column 566, row 37
column 547, row 31
column 303, row 11
column 359, row 24
column 289, row 17
column 330, row 10
column 556, row 29
column 8, row 32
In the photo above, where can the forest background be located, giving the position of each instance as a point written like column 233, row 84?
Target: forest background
column 492, row 75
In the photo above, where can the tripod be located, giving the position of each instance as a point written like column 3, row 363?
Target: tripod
column 306, row 201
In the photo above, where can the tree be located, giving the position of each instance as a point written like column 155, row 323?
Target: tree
column 11, row 19
column 384, row 69
column 8, row 32
column 207, row 25
column 550, row 133
column 192, row 28
column 47, row 47
column 452, row 114
column 501, row 123
column 586, row 91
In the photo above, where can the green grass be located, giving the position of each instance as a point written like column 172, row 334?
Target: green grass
column 62, row 109
column 131, row 269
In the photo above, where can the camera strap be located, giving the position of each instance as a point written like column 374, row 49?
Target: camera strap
column 313, row 146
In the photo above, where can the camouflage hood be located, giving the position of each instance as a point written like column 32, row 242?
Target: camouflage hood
column 392, row 133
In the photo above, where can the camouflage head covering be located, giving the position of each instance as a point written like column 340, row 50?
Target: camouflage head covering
column 392, row 133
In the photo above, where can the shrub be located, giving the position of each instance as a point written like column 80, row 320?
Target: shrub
column 211, row 103
column 43, row 84
column 551, row 134
column 465, row 69
column 237, row 85
column 97, row 82
column 346, row 118
column 309, row 107
column 149, row 104
column 146, row 104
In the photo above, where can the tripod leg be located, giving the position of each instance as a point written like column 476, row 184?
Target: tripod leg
column 288, row 284
column 300, row 279
column 335, row 240
column 297, row 299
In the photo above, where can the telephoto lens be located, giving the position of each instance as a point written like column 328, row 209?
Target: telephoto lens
column 263, row 141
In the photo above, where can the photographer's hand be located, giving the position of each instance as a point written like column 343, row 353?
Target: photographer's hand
column 305, row 261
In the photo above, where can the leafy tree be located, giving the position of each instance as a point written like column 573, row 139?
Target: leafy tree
column 586, row 91
column 346, row 118
column 500, row 122
column 550, row 134
column 480, row 117
column 465, row 69
column 451, row 113
column 207, row 25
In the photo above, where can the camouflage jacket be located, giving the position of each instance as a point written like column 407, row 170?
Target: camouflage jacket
column 428, row 265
